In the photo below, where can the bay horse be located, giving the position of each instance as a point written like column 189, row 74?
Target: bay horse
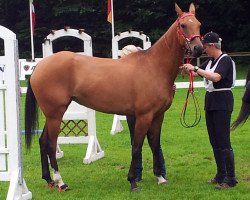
column 140, row 84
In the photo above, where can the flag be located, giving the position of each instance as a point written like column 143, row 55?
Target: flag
column 109, row 18
column 33, row 15
column 32, row 27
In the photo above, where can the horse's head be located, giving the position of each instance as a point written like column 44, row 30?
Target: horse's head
column 188, row 29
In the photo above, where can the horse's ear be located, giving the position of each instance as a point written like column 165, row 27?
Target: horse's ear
column 178, row 10
column 192, row 8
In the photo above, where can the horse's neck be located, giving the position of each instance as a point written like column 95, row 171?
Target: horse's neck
column 169, row 52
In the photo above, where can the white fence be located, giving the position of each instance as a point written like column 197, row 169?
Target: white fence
column 10, row 133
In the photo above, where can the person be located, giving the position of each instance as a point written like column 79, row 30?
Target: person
column 219, row 76
column 245, row 106
column 131, row 120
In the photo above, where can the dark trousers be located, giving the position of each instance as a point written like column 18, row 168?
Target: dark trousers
column 218, row 126
column 131, row 125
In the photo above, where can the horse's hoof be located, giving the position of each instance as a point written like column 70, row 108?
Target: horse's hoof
column 63, row 188
column 134, row 187
column 51, row 184
column 162, row 180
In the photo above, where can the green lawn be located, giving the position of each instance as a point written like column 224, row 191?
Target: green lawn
column 187, row 152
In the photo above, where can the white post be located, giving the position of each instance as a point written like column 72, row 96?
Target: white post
column 2, row 126
column 94, row 151
column 14, row 174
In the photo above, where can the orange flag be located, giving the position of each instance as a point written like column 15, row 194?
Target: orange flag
column 109, row 18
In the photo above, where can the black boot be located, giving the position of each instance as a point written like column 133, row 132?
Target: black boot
column 221, row 169
column 230, row 180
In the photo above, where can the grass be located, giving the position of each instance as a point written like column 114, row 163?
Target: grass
column 187, row 152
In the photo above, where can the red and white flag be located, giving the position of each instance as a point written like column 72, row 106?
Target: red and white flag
column 33, row 15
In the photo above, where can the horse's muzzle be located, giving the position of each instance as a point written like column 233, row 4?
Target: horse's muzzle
column 197, row 51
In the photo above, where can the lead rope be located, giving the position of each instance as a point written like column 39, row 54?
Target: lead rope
column 190, row 92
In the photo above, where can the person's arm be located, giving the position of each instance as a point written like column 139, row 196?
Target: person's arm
column 212, row 76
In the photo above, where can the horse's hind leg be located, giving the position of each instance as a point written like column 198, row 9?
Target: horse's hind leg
column 153, row 136
column 44, row 157
column 53, row 131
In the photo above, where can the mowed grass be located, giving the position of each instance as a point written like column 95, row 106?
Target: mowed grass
column 189, row 160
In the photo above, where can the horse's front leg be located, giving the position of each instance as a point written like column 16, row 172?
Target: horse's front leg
column 153, row 136
column 141, row 128
column 54, row 129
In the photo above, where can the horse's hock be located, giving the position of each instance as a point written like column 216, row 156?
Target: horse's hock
column 79, row 123
column 10, row 136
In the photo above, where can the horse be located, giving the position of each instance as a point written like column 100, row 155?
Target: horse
column 140, row 84
column 245, row 105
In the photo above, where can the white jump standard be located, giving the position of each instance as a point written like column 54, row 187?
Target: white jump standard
column 10, row 132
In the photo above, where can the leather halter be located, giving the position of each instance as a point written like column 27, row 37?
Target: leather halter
column 188, row 39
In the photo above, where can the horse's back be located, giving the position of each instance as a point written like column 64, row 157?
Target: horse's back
column 103, row 84
column 91, row 81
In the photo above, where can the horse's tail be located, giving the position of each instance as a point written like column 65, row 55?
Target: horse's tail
column 31, row 115
column 243, row 115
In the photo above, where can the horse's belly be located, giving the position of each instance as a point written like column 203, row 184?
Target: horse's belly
column 103, row 101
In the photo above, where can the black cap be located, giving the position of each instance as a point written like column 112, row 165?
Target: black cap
column 211, row 37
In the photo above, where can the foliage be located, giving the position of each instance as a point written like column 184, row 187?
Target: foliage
column 229, row 18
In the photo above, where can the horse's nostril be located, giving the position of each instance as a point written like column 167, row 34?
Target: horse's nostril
column 197, row 52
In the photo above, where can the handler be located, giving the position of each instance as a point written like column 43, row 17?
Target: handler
column 219, row 76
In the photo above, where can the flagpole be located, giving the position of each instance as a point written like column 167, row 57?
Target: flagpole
column 113, row 24
column 31, row 31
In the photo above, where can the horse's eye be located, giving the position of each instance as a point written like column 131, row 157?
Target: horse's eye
column 183, row 26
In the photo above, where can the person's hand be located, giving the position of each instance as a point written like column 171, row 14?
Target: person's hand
column 182, row 71
column 187, row 67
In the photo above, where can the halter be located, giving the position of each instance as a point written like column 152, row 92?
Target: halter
column 190, row 91
column 189, row 39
